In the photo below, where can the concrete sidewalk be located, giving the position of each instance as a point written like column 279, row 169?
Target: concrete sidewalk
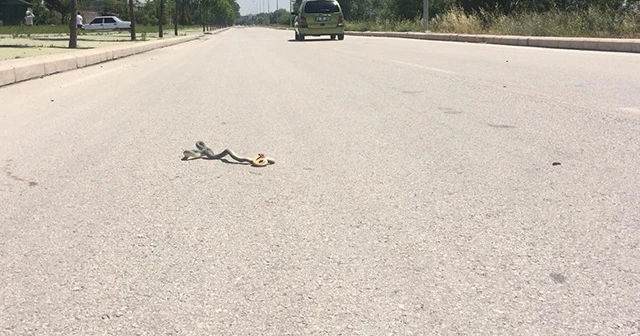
column 18, row 70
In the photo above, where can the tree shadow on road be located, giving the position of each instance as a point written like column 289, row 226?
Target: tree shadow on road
column 25, row 46
column 63, row 39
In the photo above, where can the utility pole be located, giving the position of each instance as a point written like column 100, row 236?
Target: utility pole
column 425, row 15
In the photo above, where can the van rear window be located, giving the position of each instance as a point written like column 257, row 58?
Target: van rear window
column 321, row 7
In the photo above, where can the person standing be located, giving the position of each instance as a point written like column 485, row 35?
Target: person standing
column 28, row 19
column 79, row 21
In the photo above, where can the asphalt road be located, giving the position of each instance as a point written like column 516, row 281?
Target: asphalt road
column 414, row 191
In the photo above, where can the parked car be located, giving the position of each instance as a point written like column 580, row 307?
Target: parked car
column 317, row 18
column 107, row 23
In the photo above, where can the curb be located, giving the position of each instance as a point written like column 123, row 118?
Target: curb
column 576, row 43
column 19, row 70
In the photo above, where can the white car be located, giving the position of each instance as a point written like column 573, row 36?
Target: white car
column 107, row 23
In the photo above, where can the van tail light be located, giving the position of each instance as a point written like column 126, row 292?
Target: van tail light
column 341, row 19
column 303, row 20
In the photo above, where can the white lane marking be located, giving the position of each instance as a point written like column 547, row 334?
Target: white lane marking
column 630, row 109
column 424, row 67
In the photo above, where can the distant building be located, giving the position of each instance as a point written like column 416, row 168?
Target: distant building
column 13, row 12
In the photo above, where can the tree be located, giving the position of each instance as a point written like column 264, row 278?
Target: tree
column 61, row 6
column 161, row 18
column 405, row 9
column 175, row 19
column 73, row 27
column 44, row 16
column 236, row 8
column 132, row 18
column 114, row 7
column 281, row 16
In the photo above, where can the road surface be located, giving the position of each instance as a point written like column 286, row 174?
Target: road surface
column 420, row 188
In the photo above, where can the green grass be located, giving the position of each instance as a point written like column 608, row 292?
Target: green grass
column 22, row 42
column 589, row 23
column 63, row 29
column 384, row 25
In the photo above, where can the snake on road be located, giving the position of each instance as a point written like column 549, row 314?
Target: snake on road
column 204, row 152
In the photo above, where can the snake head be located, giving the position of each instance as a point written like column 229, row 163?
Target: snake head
column 200, row 145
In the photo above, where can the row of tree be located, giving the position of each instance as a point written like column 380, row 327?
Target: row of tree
column 207, row 13
column 148, row 13
column 281, row 16
column 413, row 9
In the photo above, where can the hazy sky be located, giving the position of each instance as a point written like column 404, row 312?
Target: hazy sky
column 254, row 6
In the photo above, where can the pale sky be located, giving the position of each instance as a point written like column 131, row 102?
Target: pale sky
column 255, row 6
